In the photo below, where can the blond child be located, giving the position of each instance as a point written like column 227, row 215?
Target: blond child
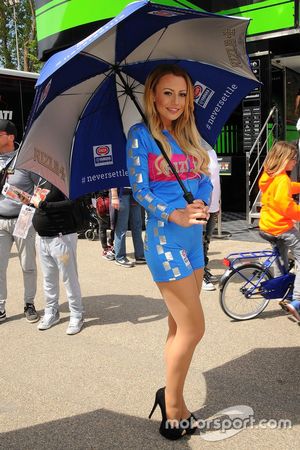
column 279, row 210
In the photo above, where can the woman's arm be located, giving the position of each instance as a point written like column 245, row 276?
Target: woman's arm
column 205, row 189
column 137, row 163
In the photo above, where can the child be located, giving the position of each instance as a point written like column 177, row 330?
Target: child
column 279, row 210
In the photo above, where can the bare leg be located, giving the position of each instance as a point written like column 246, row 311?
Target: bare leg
column 186, row 328
column 185, row 413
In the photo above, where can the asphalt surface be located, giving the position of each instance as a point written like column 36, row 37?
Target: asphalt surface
column 95, row 390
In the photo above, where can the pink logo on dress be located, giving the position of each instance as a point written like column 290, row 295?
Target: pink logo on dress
column 183, row 164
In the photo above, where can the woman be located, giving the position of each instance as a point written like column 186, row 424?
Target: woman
column 174, row 228
column 279, row 210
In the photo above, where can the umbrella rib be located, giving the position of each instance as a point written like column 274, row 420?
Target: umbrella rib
column 130, row 86
column 119, row 84
column 89, row 55
column 106, row 76
column 123, row 93
column 132, row 83
column 158, row 40
column 124, row 105
column 137, row 84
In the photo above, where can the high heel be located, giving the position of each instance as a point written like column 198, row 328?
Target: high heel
column 159, row 400
column 167, row 428
column 191, row 428
column 156, row 402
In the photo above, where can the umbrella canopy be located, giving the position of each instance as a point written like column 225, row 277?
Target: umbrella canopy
column 83, row 108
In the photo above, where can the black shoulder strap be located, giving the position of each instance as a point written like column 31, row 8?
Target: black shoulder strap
column 8, row 163
column 5, row 171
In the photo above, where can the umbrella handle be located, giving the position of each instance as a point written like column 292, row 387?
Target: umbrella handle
column 188, row 196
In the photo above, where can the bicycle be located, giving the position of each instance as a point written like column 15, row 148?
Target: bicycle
column 246, row 287
column 92, row 231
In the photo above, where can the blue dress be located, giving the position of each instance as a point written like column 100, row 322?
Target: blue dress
column 172, row 252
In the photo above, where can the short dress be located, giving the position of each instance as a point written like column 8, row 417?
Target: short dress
column 172, row 252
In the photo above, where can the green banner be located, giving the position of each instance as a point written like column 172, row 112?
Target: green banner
column 59, row 15
column 267, row 16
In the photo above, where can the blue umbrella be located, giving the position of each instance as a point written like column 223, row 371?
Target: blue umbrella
column 89, row 95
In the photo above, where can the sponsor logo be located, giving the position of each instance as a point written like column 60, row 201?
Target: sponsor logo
column 185, row 258
column 6, row 115
column 231, row 47
column 202, row 94
column 102, row 151
column 46, row 160
column 164, row 13
column 231, row 90
column 103, row 155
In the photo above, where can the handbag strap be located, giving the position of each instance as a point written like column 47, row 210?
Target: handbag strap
column 5, row 171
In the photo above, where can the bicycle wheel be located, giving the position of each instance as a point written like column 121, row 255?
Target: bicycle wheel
column 240, row 296
column 90, row 234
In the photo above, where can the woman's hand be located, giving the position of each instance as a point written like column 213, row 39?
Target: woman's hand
column 194, row 214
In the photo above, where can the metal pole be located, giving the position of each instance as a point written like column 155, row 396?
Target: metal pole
column 220, row 233
column 248, row 188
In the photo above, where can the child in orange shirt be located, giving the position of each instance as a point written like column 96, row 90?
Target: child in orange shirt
column 279, row 210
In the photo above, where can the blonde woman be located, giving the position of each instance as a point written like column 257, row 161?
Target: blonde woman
column 173, row 243
column 279, row 210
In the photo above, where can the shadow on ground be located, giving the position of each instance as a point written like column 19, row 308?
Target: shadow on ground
column 263, row 379
column 96, row 430
column 109, row 309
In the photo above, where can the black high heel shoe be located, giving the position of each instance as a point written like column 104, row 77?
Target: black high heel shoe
column 192, row 427
column 168, row 428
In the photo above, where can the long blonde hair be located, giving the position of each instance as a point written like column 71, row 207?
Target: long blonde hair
column 278, row 157
column 184, row 128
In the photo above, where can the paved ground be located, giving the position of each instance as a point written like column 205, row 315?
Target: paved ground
column 95, row 390
column 235, row 226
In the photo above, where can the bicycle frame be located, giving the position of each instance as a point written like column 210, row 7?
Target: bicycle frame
column 278, row 287
column 235, row 260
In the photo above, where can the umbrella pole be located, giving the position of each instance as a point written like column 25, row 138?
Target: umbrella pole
column 187, row 195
